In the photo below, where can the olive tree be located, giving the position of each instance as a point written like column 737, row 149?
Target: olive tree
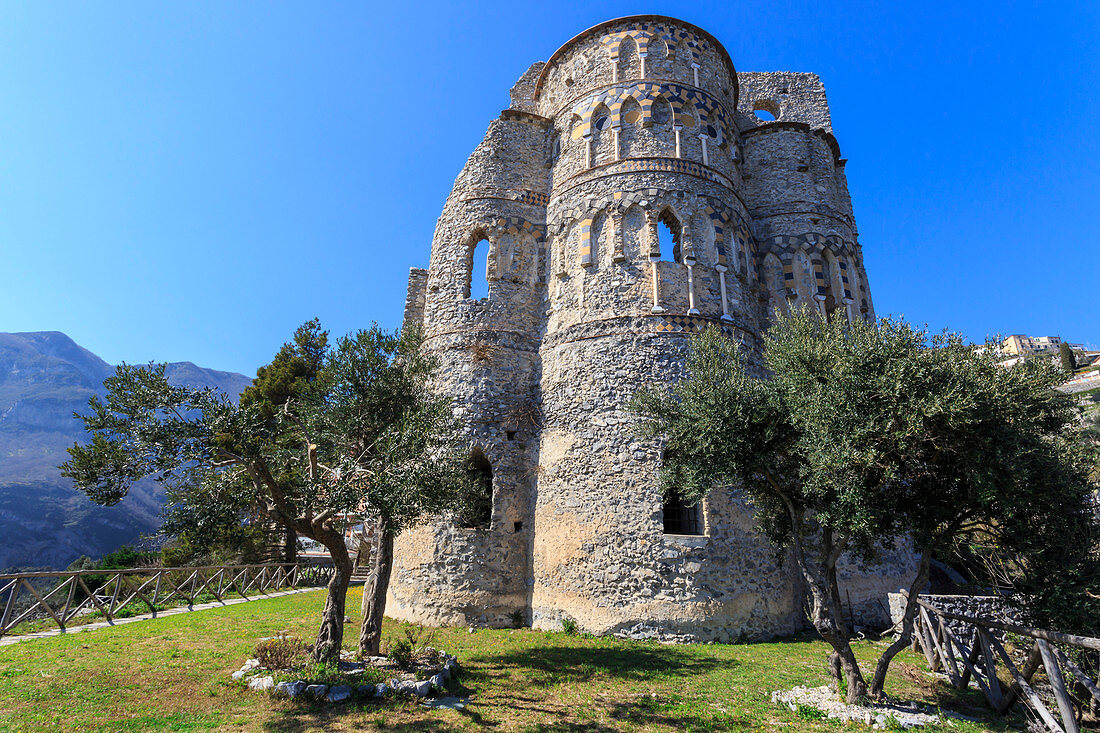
column 852, row 437
column 364, row 436
column 396, row 439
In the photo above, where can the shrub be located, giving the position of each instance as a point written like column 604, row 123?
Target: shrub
column 282, row 652
column 519, row 619
column 569, row 626
column 401, row 653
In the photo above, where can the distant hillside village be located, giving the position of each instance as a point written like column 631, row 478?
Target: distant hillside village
column 1018, row 347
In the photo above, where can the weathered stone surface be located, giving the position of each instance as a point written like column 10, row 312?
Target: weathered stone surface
column 439, row 680
column 381, row 690
column 422, row 689
column 261, row 683
column 316, row 691
column 338, row 693
column 290, row 689
column 585, row 305
column 993, row 608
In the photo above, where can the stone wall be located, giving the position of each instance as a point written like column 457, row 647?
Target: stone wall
column 983, row 607
column 635, row 124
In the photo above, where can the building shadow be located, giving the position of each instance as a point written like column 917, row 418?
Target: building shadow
column 567, row 664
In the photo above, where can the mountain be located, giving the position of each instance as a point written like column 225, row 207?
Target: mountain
column 44, row 522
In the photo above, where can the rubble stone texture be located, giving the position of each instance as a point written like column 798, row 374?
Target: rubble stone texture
column 635, row 125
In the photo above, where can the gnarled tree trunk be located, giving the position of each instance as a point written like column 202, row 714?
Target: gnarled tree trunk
column 374, row 593
column 911, row 608
column 826, row 614
column 330, row 637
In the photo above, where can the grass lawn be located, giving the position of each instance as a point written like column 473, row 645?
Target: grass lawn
column 173, row 674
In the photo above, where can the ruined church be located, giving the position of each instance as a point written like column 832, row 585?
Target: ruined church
column 637, row 189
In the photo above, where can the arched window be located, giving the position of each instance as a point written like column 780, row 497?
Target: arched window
column 834, row 285
column 658, row 59
column 603, row 140
column 681, row 518
column 629, row 65
column 766, row 110
column 773, row 282
column 804, row 281
column 631, row 116
column 668, row 236
column 477, row 268
column 477, row 506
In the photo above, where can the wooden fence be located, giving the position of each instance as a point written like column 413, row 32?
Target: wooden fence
column 59, row 598
column 1069, row 685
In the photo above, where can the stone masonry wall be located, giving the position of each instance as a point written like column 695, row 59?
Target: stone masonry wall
column 634, row 125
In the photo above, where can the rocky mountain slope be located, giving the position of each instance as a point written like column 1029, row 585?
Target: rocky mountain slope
column 44, row 522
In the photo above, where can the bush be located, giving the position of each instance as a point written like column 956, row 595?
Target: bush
column 569, row 626
column 401, row 653
column 127, row 557
column 519, row 619
column 282, row 652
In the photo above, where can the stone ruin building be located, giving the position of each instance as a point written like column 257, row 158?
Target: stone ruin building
column 637, row 130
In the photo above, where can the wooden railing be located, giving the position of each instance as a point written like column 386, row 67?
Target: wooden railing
column 31, row 600
column 961, row 662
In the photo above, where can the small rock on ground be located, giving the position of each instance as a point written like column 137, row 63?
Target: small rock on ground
column 261, row 683
column 338, row 693
column 290, row 689
column 316, row 691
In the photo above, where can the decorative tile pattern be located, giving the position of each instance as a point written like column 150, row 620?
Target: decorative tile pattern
column 509, row 194
column 644, row 34
column 586, row 241
column 690, row 108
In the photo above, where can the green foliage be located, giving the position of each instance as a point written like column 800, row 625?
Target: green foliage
column 561, row 682
column 401, row 653
column 867, row 433
column 280, row 652
column 415, row 643
column 569, row 626
column 807, row 712
column 358, row 428
column 126, row 557
column 219, row 520
column 1066, row 356
column 376, row 420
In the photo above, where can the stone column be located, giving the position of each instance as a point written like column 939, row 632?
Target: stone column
column 849, row 311
column 820, row 304
column 677, row 129
column 706, row 154
column 588, row 150
column 690, row 265
column 725, row 299
column 641, row 58
column 618, row 255
column 492, row 263
column 654, row 258
column 695, row 73
column 688, row 249
column 615, row 134
column 559, row 252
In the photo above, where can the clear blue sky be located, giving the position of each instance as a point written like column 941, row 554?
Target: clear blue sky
column 192, row 180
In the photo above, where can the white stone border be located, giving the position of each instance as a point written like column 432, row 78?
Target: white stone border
column 249, row 675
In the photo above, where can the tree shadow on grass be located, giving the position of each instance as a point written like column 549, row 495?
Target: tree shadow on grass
column 366, row 716
column 549, row 665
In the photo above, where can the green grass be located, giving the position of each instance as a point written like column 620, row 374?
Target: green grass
column 173, row 674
